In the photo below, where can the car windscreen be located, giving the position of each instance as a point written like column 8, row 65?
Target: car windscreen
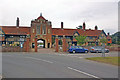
column 72, row 46
column 79, row 47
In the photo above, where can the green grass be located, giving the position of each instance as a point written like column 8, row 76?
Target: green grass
column 109, row 60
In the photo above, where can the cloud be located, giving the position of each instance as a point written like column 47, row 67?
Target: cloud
column 72, row 12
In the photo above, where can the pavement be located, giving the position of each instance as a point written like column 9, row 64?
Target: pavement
column 87, row 55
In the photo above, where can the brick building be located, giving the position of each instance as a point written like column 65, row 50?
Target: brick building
column 25, row 38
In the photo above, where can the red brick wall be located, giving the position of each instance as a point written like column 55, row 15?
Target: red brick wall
column 12, row 49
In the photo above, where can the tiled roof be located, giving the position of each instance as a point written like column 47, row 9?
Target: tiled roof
column 16, row 31
column 41, row 17
column 70, row 32
column 60, row 32
column 88, row 32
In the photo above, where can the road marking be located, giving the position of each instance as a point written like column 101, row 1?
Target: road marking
column 6, row 55
column 39, row 59
column 83, row 72
column 80, row 57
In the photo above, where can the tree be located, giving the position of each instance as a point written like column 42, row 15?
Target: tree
column 80, row 39
column 53, row 40
column 116, row 38
column 103, row 40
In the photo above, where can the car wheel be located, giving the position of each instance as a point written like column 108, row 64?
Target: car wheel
column 86, row 51
column 73, row 51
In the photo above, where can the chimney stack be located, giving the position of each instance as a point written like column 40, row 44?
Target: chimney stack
column 96, row 28
column 61, row 25
column 17, row 22
column 108, row 33
column 84, row 26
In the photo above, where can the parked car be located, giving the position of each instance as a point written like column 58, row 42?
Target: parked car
column 77, row 49
column 98, row 49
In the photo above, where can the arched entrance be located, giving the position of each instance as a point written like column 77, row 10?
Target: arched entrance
column 41, row 43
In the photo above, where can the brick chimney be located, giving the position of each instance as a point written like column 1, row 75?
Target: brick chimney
column 96, row 28
column 61, row 25
column 108, row 33
column 17, row 22
column 84, row 26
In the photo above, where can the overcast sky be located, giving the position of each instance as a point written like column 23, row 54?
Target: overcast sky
column 103, row 13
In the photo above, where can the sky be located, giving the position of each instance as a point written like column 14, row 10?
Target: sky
column 103, row 13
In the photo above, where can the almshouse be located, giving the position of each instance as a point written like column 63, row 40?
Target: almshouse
column 21, row 38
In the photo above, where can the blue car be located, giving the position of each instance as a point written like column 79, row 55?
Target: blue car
column 77, row 49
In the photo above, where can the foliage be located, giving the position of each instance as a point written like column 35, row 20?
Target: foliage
column 116, row 38
column 103, row 40
column 93, row 44
column 53, row 40
column 60, row 42
column 108, row 44
column 80, row 39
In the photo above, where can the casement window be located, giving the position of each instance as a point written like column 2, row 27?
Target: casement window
column 38, row 30
column 33, row 30
column 44, row 29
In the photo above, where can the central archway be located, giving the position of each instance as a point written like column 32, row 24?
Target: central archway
column 41, row 43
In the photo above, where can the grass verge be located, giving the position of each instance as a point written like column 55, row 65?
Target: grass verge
column 108, row 60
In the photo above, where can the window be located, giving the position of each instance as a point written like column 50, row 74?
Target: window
column 90, row 37
column 33, row 30
column 38, row 30
column 48, row 31
column 108, row 39
column 44, row 29
column 33, row 45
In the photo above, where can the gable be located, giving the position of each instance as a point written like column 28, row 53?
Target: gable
column 1, row 32
column 76, row 34
column 102, row 35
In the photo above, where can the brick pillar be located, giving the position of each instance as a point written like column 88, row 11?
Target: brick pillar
column 27, row 43
column 35, row 44
column 64, row 44
column 56, row 45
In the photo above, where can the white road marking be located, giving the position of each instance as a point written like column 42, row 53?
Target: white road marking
column 83, row 72
column 6, row 55
column 39, row 59
column 80, row 57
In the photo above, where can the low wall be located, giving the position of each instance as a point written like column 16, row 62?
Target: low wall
column 12, row 49
column 111, row 48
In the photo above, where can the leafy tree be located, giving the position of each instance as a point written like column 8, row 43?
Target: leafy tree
column 80, row 39
column 103, row 40
column 116, row 38
column 53, row 40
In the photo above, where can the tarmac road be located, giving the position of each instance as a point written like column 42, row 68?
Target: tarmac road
column 39, row 65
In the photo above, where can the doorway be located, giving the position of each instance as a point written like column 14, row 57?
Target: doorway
column 41, row 43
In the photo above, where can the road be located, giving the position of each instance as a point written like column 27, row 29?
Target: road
column 41, row 65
